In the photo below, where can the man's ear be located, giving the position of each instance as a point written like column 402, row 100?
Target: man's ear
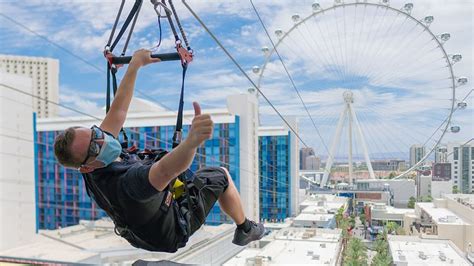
column 86, row 169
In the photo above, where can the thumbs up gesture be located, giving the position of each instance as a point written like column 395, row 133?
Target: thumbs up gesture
column 201, row 127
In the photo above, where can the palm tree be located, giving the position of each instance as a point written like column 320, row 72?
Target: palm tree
column 392, row 227
column 339, row 216
column 355, row 253
column 411, row 203
column 383, row 257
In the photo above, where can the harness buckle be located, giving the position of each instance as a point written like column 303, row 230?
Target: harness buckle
column 109, row 56
column 185, row 55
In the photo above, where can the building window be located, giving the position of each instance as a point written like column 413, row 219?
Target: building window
column 456, row 153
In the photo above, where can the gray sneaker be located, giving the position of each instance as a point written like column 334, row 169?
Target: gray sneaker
column 241, row 238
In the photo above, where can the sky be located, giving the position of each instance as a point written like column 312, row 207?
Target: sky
column 397, row 73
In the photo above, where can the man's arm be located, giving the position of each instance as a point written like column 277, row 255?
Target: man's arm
column 180, row 158
column 117, row 114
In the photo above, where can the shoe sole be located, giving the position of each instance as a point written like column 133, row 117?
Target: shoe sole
column 251, row 240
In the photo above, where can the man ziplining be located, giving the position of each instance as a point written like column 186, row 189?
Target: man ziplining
column 141, row 193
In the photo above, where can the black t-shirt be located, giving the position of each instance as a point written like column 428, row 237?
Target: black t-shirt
column 125, row 183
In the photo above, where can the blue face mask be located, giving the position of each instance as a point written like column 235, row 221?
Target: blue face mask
column 110, row 150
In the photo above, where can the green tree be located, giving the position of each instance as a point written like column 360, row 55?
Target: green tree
column 383, row 257
column 355, row 253
column 392, row 227
column 362, row 218
column 455, row 190
column 391, row 175
column 339, row 216
column 427, row 198
column 380, row 243
column 411, row 203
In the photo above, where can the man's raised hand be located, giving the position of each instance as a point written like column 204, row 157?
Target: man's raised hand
column 201, row 127
column 142, row 57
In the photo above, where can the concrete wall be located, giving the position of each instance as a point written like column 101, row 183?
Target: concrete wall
column 246, row 107
column 439, row 188
column 17, row 170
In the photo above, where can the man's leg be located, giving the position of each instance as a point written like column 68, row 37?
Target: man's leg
column 230, row 201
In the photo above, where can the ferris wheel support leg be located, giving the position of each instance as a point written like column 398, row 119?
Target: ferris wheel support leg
column 349, row 118
column 333, row 147
column 364, row 145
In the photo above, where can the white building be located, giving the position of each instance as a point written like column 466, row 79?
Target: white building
column 45, row 75
column 441, row 154
column 439, row 188
column 380, row 214
column 294, row 246
column 409, row 250
column 423, row 185
column 416, row 153
column 241, row 110
column 318, row 211
column 17, row 167
column 400, row 189
column 450, row 217
column 461, row 158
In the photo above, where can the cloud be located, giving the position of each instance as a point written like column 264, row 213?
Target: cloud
column 396, row 73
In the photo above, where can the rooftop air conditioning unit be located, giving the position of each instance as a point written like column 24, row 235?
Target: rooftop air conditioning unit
column 422, row 255
column 315, row 257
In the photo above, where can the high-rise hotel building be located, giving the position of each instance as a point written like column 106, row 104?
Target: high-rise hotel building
column 279, row 173
column 44, row 73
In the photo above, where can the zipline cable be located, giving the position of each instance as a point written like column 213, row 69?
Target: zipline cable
column 243, row 71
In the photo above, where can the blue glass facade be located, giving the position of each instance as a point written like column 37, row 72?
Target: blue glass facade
column 275, row 177
column 62, row 199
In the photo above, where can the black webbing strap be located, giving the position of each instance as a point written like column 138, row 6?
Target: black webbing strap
column 134, row 12
column 111, row 69
column 179, row 121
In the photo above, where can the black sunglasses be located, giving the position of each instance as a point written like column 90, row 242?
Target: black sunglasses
column 94, row 147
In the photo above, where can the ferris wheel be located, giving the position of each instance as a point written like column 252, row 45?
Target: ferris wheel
column 374, row 80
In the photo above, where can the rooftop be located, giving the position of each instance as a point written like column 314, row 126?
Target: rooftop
column 294, row 246
column 95, row 242
column 440, row 215
column 413, row 250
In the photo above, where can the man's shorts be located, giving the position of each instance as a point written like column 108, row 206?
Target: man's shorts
column 205, row 188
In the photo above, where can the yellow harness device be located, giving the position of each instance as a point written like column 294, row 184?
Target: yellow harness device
column 178, row 189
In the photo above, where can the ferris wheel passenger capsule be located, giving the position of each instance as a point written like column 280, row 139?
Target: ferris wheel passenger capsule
column 408, row 7
column 385, row 2
column 461, row 81
column 445, row 37
column 455, row 129
column 279, row 33
column 338, row 2
column 256, row 69
column 462, row 105
column 265, row 49
column 428, row 20
column 316, row 7
column 456, row 58
column 295, row 18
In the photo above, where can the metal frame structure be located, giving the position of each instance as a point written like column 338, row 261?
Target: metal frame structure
column 405, row 11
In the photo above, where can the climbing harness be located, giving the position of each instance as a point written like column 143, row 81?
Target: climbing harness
column 180, row 186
